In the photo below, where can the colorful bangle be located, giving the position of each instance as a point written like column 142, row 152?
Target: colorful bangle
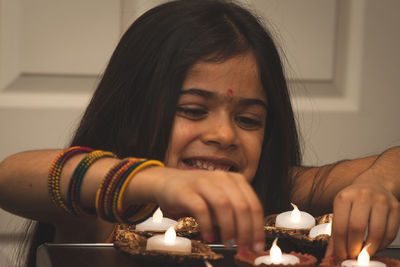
column 53, row 182
column 110, row 193
column 73, row 199
column 103, row 193
column 125, row 215
column 115, row 188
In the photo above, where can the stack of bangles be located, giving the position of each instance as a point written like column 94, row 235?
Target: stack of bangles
column 110, row 193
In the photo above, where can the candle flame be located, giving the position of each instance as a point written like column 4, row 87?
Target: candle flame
column 170, row 235
column 158, row 216
column 363, row 257
column 275, row 253
column 295, row 215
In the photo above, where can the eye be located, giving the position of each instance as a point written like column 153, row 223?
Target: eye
column 248, row 123
column 191, row 113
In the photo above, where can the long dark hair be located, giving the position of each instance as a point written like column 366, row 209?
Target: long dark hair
column 132, row 110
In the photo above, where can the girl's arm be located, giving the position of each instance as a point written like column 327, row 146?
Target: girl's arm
column 362, row 193
column 23, row 192
column 214, row 198
column 23, row 183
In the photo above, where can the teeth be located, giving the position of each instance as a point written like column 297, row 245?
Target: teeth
column 199, row 164
column 208, row 165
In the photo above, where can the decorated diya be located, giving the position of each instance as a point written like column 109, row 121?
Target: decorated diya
column 300, row 240
column 275, row 257
column 363, row 259
column 186, row 227
column 166, row 248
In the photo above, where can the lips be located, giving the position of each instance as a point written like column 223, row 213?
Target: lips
column 210, row 164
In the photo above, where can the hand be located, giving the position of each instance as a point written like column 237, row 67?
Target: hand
column 215, row 199
column 364, row 204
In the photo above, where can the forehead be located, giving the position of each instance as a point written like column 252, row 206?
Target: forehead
column 238, row 76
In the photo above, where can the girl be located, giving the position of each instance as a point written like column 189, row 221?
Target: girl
column 199, row 85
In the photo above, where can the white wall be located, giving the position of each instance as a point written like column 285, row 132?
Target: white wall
column 344, row 72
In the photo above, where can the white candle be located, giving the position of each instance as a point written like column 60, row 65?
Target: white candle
column 321, row 229
column 363, row 260
column 276, row 257
column 169, row 242
column 156, row 223
column 295, row 219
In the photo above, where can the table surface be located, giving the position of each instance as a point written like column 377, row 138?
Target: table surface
column 99, row 255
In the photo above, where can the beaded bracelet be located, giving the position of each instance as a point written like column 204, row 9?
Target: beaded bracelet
column 109, row 194
column 73, row 200
column 53, row 182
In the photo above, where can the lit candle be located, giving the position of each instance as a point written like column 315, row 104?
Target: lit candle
column 156, row 223
column 363, row 260
column 276, row 257
column 321, row 229
column 295, row 219
column 169, row 242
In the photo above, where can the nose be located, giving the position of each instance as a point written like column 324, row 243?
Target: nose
column 221, row 131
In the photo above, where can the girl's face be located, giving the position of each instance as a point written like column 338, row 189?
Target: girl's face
column 220, row 118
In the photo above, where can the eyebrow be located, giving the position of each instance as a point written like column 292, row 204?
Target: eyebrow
column 209, row 95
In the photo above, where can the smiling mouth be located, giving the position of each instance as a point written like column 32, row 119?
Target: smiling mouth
column 209, row 165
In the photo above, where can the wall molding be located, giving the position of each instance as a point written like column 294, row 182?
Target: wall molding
column 341, row 94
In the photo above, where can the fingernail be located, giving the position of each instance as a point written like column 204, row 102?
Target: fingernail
column 209, row 238
column 230, row 243
column 258, row 247
column 243, row 251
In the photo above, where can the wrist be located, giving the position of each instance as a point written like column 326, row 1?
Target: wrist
column 378, row 176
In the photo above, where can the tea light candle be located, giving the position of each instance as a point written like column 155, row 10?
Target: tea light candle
column 156, row 223
column 276, row 257
column 321, row 229
column 363, row 260
column 295, row 219
column 169, row 242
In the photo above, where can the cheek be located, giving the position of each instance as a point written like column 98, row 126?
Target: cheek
column 253, row 150
column 180, row 136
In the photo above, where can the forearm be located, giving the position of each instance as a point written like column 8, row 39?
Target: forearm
column 24, row 190
column 321, row 184
column 23, row 184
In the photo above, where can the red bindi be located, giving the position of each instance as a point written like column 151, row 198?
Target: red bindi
column 229, row 94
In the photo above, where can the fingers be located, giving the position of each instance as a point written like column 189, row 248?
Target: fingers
column 220, row 200
column 377, row 225
column 243, row 220
column 329, row 248
column 392, row 225
column 221, row 207
column 227, row 200
column 357, row 226
column 198, row 208
column 356, row 210
column 257, row 213
column 341, row 211
column 248, row 213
